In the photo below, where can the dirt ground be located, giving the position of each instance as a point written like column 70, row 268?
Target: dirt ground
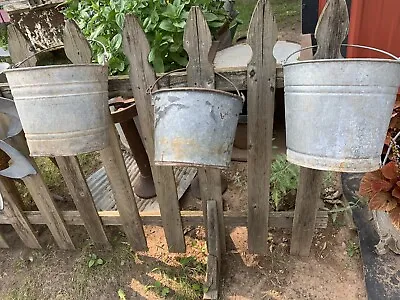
column 333, row 271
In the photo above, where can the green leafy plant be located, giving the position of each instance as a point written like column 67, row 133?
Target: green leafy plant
column 3, row 38
column 163, row 21
column 95, row 261
column 159, row 289
column 284, row 179
column 352, row 249
column 121, row 294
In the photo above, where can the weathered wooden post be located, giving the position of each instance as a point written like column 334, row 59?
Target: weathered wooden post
column 78, row 51
column 200, row 73
column 142, row 76
column 13, row 210
column 261, row 81
column 19, row 50
column 331, row 31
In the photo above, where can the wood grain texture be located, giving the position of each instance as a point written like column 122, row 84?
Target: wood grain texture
column 13, row 210
column 121, row 86
column 79, row 190
column 35, row 183
column 45, row 203
column 200, row 73
column 283, row 219
column 117, row 174
column 307, row 202
column 78, row 51
column 214, row 252
column 331, row 31
column 19, row 47
column 261, row 81
column 137, row 49
column 76, row 46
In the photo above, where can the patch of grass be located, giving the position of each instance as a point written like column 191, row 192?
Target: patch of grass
column 159, row 289
column 52, row 177
column 286, row 12
column 245, row 9
column 89, row 162
column 284, row 180
column 184, row 282
column 352, row 249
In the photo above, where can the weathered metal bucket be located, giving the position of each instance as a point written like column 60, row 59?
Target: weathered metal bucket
column 338, row 111
column 63, row 109
column 195, row 126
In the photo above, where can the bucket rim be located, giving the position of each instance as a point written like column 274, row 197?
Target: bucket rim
column 25, row 69
column 163, row 163
column 196, row 89
column 342, row 60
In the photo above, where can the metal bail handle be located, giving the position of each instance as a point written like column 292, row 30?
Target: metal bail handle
column 348, row 45
column 151, row 88
column 18, row 64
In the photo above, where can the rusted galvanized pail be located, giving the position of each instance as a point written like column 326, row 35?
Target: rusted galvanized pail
column 63, row 109
column 195, row 126
column 338, row 111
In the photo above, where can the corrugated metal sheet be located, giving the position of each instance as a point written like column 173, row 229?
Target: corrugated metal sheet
column 104, row 199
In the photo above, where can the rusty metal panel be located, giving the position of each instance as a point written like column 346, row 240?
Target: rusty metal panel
column 377, row 24
column 4, row 18
column 104, row 199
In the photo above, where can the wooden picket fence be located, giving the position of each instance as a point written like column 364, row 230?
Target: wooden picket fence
column 261, row 78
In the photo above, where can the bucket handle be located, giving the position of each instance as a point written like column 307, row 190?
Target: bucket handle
column 106, row 54
column 391, row 145
column 348, row 45
column 150, row 89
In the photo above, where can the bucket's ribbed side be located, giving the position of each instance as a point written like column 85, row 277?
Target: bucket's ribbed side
column 338, row 112
column 63, row 110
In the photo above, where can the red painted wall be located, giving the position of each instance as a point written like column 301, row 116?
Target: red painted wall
column 374, row 23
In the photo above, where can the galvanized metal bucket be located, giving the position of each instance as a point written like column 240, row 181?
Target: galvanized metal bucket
column 195, row 126
column 338, row 111
column 63, row 108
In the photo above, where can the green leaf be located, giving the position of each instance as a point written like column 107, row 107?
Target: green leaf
column 97, row 31
column 165, row 292
column 196, row 287
column 181, row 60
column 152, row 54
column 215, row 24
column 210, row 16
column 175, row 48
column 99, row 262
column 181, row 24
column 170, row 11
column 158, row 64
column 120, row 20
column 167, row 25
column 157, row 284
column 116, row 41
column 91, row 263
column 121, row 294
